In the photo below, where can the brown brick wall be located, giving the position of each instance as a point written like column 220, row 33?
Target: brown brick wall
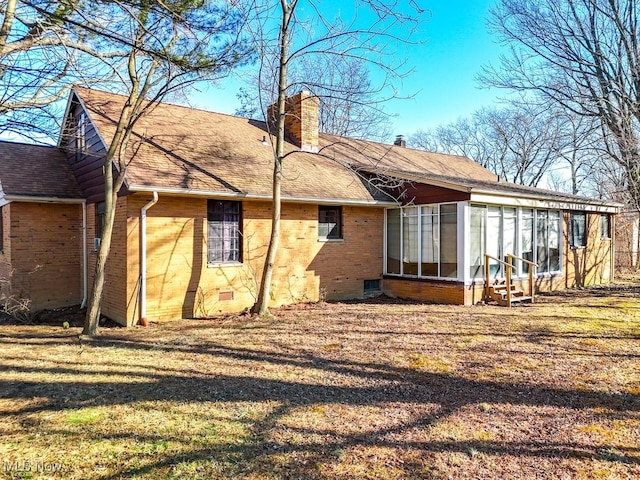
column 181, row 284
column 43, row 247
column 425, row 290
column 5, row 256
column 114, row 298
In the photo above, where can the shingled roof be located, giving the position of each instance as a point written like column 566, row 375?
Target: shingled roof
column 189, row 150
column 185, row 150
column 36, row 171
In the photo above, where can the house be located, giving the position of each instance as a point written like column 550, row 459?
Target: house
column 359, row 218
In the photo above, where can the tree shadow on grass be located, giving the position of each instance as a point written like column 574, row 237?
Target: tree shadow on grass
column 377, row 385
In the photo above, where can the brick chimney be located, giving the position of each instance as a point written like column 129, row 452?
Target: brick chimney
column 400, row 141
column 300, row 121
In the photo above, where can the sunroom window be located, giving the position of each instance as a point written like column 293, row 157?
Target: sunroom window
column 533, row 235
column 422, row 241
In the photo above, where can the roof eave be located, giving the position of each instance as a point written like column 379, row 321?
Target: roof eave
column 263, row 197
column 8, row 198
column 517, row 199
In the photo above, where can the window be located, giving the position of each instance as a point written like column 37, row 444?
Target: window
column 477, row 238
column 100, row 219
column 410, row 241
column 372, row 286
column 554, row 241
column 329, row 222
column 80, row 136
column 547, row 241
column 449, row 240
column 499, row 231
column 393, row 241
column 526, row 238
column 605, row 227
column 430, row 241
column 578, row 224
column 422, row 241
column 224, row 231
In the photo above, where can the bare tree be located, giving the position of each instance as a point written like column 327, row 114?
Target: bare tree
column 583, row 55
column 581, row 153
column 531, row 139
column 518, row 143
column 468, row 136
column 42, row 52
column 304, row 35
column 168, row 46
column 349, row 104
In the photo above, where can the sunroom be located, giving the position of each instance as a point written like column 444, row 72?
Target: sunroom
column 438, row 251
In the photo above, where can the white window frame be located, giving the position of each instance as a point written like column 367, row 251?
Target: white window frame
column 459, row 243
column 519, row 270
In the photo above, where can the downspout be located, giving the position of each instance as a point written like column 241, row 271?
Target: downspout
column 143, row 257
column 612, row 226
column 85, row 267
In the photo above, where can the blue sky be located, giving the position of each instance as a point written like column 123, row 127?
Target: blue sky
column 457, row 46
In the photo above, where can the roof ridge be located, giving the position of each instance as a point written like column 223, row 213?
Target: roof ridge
column 170, row 104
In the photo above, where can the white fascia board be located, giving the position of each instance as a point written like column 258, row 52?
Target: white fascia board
column 516, row 200
column 33, row 199
column 72, row 92
column 249, row 196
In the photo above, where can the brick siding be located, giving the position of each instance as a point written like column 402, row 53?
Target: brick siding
column 43, row 250
column 180, row 284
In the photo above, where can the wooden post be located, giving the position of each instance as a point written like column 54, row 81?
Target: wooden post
column 508, row 268
column 486, row 277
column 531, row 267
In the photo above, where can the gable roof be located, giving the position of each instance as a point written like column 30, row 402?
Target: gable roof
column 35, row 171
column 185, row 150
column 182, row 150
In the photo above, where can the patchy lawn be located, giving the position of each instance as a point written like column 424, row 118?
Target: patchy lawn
column 333, row 391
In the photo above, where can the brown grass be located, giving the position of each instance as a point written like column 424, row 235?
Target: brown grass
column 384, row 389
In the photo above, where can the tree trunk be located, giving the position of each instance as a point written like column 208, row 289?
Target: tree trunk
column 261, row 306
column 92, row 320
column 262, row 303
column 120, row 138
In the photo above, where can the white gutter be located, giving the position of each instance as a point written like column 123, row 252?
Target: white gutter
column 143, row 257
column 85, row 267
column 530, row 201
column 35, row 199
column 250, row 196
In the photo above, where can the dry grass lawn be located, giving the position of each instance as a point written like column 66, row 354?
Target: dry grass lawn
column 388, row 390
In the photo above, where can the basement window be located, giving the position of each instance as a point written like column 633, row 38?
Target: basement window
column 329, row 222
column 372, row 287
